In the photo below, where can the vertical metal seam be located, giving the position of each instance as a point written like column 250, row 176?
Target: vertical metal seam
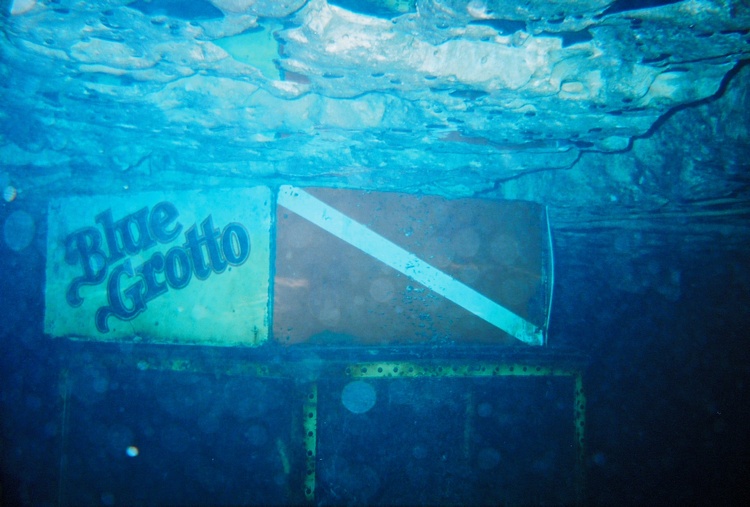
column 579, row 416
column 64, row 387
column 310, row 426
column 551, row 274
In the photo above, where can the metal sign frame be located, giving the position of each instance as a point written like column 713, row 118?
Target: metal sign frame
column 218, row 365
column 396, row 360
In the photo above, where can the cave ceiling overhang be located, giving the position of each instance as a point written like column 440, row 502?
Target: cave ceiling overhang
column 382, row 93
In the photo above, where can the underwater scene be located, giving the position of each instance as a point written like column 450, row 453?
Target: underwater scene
column 374, row 252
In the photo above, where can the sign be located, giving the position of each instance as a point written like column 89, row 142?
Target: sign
column 175, row 267
column 375, row 268
column 350, row 267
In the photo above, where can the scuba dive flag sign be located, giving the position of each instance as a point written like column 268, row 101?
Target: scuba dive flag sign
column 174, row 267
column 358, row 267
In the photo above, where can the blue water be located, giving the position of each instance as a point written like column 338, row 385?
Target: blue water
column 664, row 367
column 665, row 422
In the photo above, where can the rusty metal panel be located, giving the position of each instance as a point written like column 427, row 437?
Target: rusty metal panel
column 335, row 284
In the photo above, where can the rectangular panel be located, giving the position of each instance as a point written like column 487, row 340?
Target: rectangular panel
column 174, row 267
column 370, row 267
column 149, row 438
column 445, row 441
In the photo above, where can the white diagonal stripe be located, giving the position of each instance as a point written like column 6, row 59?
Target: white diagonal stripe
column 330, row 219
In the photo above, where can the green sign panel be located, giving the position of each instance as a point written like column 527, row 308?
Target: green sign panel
column 175, row 267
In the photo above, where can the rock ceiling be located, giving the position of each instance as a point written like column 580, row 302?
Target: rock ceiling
column 451, row 97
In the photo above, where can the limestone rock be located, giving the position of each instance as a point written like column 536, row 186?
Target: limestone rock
column 486, row 98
